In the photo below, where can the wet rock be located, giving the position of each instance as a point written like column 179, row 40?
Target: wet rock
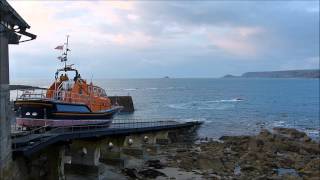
column 131, row 173
column 257, row 157
column 197, row 172
column 248, row 168
column 151, row 173
column 306, row 139
column 312, row 169
column 213, row 177
column 179, row 150
column 157, row 164
column 207, row 162
column 290, row 132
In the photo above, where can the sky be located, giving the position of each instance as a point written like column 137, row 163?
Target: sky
column 153, row 39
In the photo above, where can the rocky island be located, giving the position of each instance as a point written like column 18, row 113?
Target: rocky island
column 313, row 73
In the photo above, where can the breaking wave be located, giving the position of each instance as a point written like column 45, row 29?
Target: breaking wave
column 279, row 124
column 193, row 120
column 144, row 89
column 206, row 105
column 130, row 89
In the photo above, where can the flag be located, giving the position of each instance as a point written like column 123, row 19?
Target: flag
column 59, row 47
column 62, row 59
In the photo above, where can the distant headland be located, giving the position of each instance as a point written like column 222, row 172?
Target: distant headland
column 310, row 73
column 23, row 87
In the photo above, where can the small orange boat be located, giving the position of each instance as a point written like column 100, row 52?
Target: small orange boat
column 67, row 102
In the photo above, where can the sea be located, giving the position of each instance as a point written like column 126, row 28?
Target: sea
column 239, row 106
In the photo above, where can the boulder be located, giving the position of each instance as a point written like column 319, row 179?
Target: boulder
column 290, row 132
column 311, row 169
column 157, row 164
column 131, row 172
column 151, row 173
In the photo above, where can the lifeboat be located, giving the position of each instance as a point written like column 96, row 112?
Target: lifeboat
column 69, row 101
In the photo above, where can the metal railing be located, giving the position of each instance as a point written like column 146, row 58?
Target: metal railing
column 59, row 95
column 116, row 124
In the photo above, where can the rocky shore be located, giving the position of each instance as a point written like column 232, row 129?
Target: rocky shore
column 278, row 154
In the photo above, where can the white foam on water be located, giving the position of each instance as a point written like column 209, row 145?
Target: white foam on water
column 177, row 106
column 195, row 120
column 312, row 132
column 205, row 105
column 151, row 88
column 279, row 124
column 130, row 89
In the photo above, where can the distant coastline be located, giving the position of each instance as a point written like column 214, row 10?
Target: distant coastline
column 310, row 73
column 23, row 87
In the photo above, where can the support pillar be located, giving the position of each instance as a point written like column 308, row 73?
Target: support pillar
column 5, row 127
column 111, row 151
column 85, row 157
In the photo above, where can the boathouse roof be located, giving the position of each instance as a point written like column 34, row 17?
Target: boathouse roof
column 9, row 16
column 12, row 23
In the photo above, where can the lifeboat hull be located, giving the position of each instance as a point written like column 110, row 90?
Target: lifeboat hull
column 39, row 113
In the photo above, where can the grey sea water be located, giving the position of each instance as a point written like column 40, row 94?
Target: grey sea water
column 227, row 106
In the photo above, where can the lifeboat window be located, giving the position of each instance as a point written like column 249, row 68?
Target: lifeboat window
column 104, row 92
column 71, row 108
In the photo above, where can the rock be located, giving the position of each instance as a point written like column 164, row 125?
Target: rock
column 155, row 164
column 258, row 157
column 265, row 133
column 179, row 150
column 306, row 139
column 151, row 173
column 207, row 162
column 291, row 177
column 197, row 172
column 290, row 132
column 214, row 177
column 262, row 177
column 131, row 172
column 312, row 169
column 248, row 168
column 197, row 149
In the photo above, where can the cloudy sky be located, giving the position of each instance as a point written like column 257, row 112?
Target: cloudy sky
column 149, row 39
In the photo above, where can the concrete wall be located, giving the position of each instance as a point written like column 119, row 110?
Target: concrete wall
column 47, row 164
column 5, row 127
column 125, row 101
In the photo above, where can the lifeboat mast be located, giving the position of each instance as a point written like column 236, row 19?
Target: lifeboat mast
column 64, row 58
